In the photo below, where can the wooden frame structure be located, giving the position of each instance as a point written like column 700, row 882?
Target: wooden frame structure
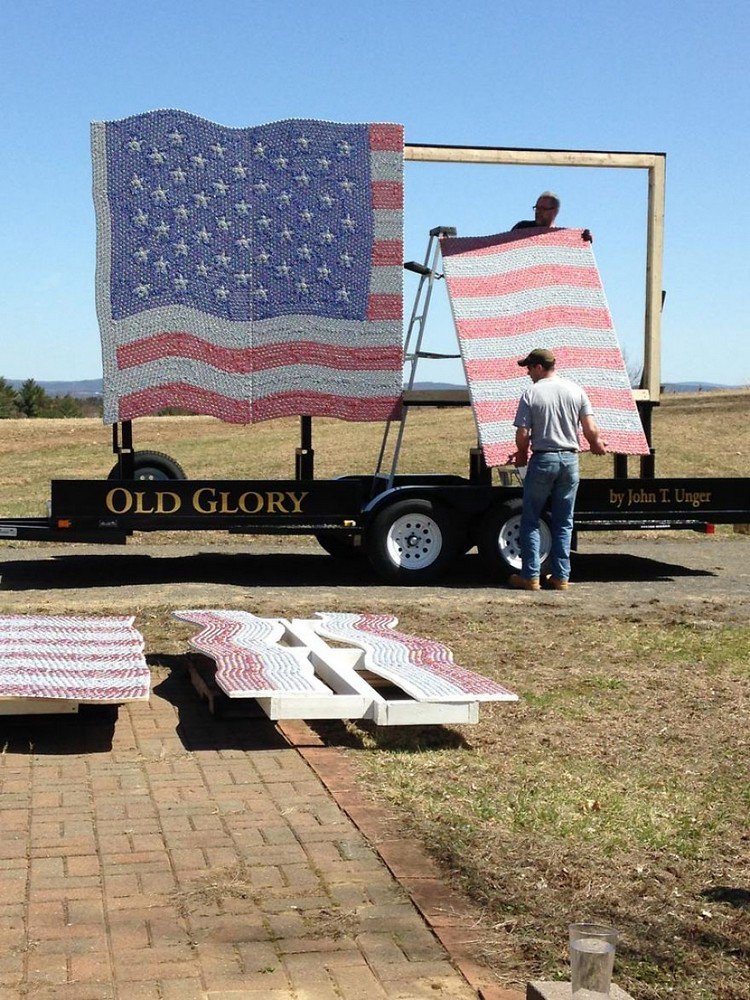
column 655, row 163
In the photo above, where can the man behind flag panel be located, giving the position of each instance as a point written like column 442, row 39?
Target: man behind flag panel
column 547, row 420
column 546, row 211
column 249, row 273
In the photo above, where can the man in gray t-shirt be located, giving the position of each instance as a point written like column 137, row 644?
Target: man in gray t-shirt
column 548, row 417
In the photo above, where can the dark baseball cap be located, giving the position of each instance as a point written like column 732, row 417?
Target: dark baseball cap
column 539, row 356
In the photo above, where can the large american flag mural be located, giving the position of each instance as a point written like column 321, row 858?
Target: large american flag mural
column 249, row 273
column 531, row 288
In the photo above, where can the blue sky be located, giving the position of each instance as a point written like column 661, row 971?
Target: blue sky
column 642, row 76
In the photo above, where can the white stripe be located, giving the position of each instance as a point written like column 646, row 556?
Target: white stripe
column 386, row 165
column 518, row 345
column 515, row 303
column 622, row 420
column 475, row 265
column 315, row 378
column 386, row 280
column 388, row 224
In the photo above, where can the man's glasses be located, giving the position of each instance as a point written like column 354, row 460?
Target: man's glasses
column 545, row 208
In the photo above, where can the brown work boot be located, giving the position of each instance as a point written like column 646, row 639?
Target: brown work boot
column 519, row 582
column 550, row 582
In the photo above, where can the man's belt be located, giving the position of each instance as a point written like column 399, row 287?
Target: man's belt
column 555, row 451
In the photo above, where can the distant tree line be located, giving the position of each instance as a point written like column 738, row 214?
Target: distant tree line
column 32, row 400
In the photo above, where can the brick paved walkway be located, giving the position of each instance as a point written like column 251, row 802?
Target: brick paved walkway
column 171, row 855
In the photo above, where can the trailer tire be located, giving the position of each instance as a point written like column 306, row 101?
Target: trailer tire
column 341, row 545
column 412, row 541
column 152, row 465
column 499, row 539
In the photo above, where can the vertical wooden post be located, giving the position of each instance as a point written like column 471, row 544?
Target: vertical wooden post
column 654, row 251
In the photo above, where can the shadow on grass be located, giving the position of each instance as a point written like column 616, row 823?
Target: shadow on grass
column 365, row 735
column 89, row 731
column 731, row 895
column 289, row 570
column 197, row 728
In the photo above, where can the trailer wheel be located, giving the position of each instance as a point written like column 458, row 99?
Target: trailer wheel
column 152, row 465
column 412, row 541
column 499, row 539
column 341, row 545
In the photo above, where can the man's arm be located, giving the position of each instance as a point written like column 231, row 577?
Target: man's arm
column 593, row 435
column 523, row 439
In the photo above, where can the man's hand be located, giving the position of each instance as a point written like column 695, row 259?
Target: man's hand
column 586, row 235
column 598, row 447
column 520, row 458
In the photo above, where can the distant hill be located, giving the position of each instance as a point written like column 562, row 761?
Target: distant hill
column 696, row 387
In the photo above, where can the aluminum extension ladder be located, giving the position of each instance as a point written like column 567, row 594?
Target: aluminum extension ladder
column 428, row 275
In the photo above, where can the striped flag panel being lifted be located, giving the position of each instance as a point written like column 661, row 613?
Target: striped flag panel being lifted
column 249, row 273
column 531, row 288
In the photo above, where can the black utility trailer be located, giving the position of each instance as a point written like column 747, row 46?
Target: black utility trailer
column 410, row 527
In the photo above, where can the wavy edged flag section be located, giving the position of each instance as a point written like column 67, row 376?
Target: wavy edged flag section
column 249, row 273
column 531, row 288
column 72, row 658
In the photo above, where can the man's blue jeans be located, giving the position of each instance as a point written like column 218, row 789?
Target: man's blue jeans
column 550, row 476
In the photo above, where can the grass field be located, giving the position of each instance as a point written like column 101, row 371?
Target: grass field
column 616, row 789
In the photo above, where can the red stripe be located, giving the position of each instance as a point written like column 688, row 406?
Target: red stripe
column 233, row 411
column 493, row 410
column 608, row 359
column 384, row 307
column 245, row 360
column 386, row 253
column 494, row 369
column 610, row 399
column 538, row 276
column 534, row 321
column 477, row 246
column 387, row 194
column 387, row 137
column 327, row 405
column 185, row 397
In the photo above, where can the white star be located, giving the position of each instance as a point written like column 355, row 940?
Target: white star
column 181, row 212
column 180, row 283
column 344, row 148
column 259, row 150
column 242, row 277
column 199, row 161
column 326, row 200
column 181, row 249
column 261, row 293
column 281, row 162
column 135, row 145
column 264, row 222
column 348, row 224
column 203, row 236
column 201, row 199
column 141, row 254
column 306, row 215
column 324, row 273
column 303, row 179
column 287, row 233
column 141, row 218
column 305, row 252
column 283, row 270
column 178, row 175
column 342, row 295
column 263, row 257
column 223, row 223
column 218, row 150
column 260, row 187
column 220, row 186
column 222, row 259
column 327, row 237
column 242, row 207
column 302, row 287
column 324, row 163
column 346, row 185
column 284, row 198
column 303, row 142
column 137, row 183
column 156, row 156
column 240, row 170
column 346, row 259
column 142, row 290
column 161, row 265
column 221, row 293
column 244, row 242
column 176, row 138
column 202, row 270
column 162, row 230
column 159, row 195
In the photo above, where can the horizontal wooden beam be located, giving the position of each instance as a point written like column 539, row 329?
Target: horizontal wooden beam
column 539, row 157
